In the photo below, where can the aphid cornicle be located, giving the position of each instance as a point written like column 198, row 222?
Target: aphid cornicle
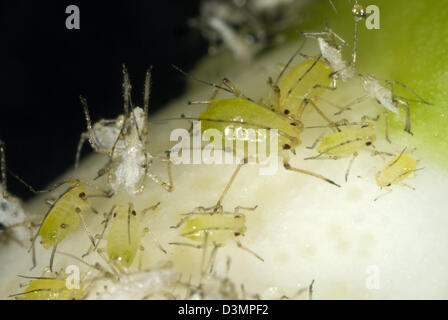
column 124, row 140
column 13, row 220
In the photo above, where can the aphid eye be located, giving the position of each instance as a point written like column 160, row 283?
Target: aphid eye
column 286, row 111
column 286, row 146
column 237, row 234
column 78, row 210
column 115, row 214
column 388, row 185
column 368, row 143
column 63, row 226
column 82, row 195
column 134, row 213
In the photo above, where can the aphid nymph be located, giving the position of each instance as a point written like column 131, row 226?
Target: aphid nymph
column 395, row 171
column 64, row 215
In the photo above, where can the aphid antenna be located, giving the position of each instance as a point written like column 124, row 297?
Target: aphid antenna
column 304, row 75
column 298, row 51
column 333, row 6
column 229, row 88
column 126, row 87
column 36, row 278
column 147, row 91
column 27, row 292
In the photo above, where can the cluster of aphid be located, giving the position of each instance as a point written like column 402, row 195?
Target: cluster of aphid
column 124, row 141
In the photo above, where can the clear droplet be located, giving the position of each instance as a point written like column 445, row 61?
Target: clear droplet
column 358, row 12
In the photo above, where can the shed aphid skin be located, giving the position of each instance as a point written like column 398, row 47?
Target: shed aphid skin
column 348, row 142
column 395, row 171
column 124, row 140
column 331, row 51
column 125, row 235
column 64, row 215
column 386, row 97
column 13, row 221
column 242, row 113
column 50, row 286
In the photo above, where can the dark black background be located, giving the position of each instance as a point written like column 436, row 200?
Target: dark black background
column 45, row 67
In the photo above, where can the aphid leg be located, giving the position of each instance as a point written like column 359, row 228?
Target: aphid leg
column 303, row 105
column 84, row 136
column 316, row 175
column 84, row 225
column 238, row 243
column 388, row 191
column 100, row 237
column 148, row 230
column 345, row 107
column 167, row 186
column 170, row 184
column 315, row 142
column 53, row 252
column 154, row 239
column 310, row 291
column 350, row 166
column 237, row 209
column 211, row 261
column 232, row 179
column 90, row 131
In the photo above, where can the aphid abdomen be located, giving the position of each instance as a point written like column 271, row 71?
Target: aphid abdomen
column 50, row 289
column 220, row 228
column 124, row 236
column 63, row 217
column 229, row 112
column 396, row 170
column 293, row 90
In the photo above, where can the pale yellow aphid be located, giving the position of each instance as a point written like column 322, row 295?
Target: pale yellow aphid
column 220, row 228
column 396, row 170
column 348, row 142
column 215, row 226
column 52, row 287
column 125, row 234
column 64, row 215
